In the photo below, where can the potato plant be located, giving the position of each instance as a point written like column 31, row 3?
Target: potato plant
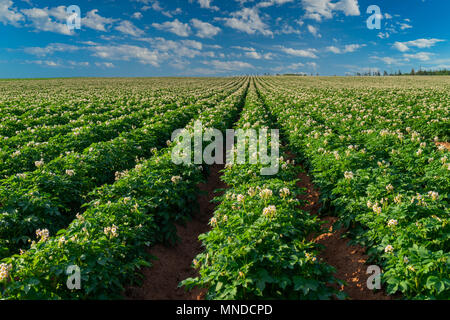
column 380, row 171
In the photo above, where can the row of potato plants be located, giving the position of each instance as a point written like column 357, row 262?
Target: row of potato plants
column 258, row 247
column 24, row 106
column 19, row 160
column 89, row 113
column 49, row 197
column 422, row 109
column 388, row 184
column 23, row 159
column 109, row 241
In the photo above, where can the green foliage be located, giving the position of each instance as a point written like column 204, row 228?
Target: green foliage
column 109, row 241
column 258, row 248
column 371, row 152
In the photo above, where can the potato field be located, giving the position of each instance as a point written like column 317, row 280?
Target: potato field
column 88, row 184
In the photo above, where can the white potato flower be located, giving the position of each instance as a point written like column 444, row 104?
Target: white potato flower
column 5, row 271
column 265, row 194
column 284, row 192
column 176, row 179
column 389, row 249
column 348, row 175
column 392, row 223
column 270, row 211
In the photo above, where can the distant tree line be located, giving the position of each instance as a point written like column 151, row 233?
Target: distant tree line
column 377, row 73
column 441, row 72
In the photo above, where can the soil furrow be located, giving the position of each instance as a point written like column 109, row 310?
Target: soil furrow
column 348, row 260
column 174, row 264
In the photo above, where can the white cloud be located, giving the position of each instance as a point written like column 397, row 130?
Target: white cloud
column 347, row 48
column 334, row 49
column 192, row 44
column 126, row 53
column 312, row 65
column 54, row 20
column 287, row 29
column 253, row 54
column 313, row 30
column 89, row 43
column 291, row 68
column 50, row 49
column 229, row 65
column 155, row 5
column 95, row 21
column 384, row 35
column 170, row 48
column 248, row 20
column 9, row 15
column 206, row 4
column 269, row 3
column 441, row 66
column 129, row 28
column 176, row 11
column 176, row 27
column 59, row 63
column 244, row 48
column 51, row 63
column 387, row 60
column 422, row 56
column 137, row 15
column 353, row 47
column 296, row 65
column 419, row 43
column 404, row 26
column 48, row 63
column 78, row 64
column 204, row 29
column 305, row 53
column 105, row 64
column 348, row 7
column 424, row 43
column 214, row 46
column 51, row 20
column 401, row 46
column 323, row 9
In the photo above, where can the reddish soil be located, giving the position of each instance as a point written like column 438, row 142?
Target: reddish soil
column 349, row 261
column 445, row 144
column 174, row 264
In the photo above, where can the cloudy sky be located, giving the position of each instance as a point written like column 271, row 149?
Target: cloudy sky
column 220, row 37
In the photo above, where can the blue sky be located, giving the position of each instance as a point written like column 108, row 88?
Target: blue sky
column 220, row 38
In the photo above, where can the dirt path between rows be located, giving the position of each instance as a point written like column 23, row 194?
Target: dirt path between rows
column 349, row 261
column 174, row 264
